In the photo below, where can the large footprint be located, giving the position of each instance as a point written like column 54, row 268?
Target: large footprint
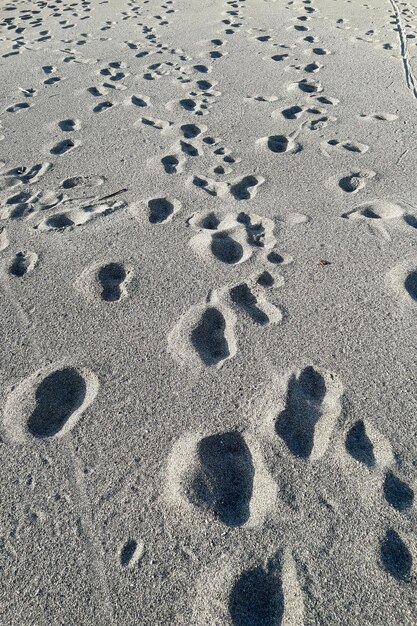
column 311, row 410
column 49, row 403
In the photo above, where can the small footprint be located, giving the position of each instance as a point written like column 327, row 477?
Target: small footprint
column 112, row 278
column 69, row 125
column 131, row 553
column 64, row 146
column 23, row 263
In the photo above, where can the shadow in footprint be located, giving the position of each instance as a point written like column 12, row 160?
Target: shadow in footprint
column 397, row 493
column 111, row 278
column 242, row 296
column 241, row 190
column 395, row 556
column 19, row 266
column 170, row 164
column 208, row 337
column 128, row 552
column 58, row 396
column 296, row 424
column 257, row 598
column 410, row 284
column 359, row 446
column 225, row 481
column 159, row 210
column 225, row 248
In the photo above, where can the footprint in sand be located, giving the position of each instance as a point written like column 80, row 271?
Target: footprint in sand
column 113, row 279
column 23, row 263
column 246, row 188
column 254, row 304
column 402, row 279
column 204, row 336
column 69, row 125
column 395, row 556
column 162, row 210
column 65, row 146
column 131, row 553
column 223, row 482
column 312, row 407
column 49, row 403
column 78, row 216
column 257, row 596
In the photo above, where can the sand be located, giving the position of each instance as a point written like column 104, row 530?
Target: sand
column 208, row 275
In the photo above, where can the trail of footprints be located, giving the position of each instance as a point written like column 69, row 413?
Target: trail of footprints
column 226, row 476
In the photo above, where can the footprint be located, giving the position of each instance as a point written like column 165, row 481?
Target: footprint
column 311, row 410
column 280, row 144
column 103, row 106
column 255, row 307
column 131, row 553
column 246, row 187
column 78, row 216
column 410, row 284
column 204, row 336
column 376, row 209
column 234, row 239
column 226, row 249
column 23, row 263
column 352, row 183
column 172, row 164
column 224, row 481
column 66, row 145
column 15, row 108
column 257, row 597
column 69, row 125
column 396, row 557
column 141, row 101
column 49, row 403
column 112, row 278
column 397, row 493
column 162, row 210
column 209, row 337
column 191, row 131
column 359, row 445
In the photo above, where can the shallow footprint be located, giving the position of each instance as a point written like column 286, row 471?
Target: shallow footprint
column 224, row 481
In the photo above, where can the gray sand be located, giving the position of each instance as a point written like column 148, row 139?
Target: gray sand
column 208, row 275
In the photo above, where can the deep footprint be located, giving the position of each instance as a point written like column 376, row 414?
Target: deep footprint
column 296, row 424
column 111, row 278
column 208, row 337
column 226, row 249
column 224, row 482
column 257, row 598
column 395, row 556
column 359, row 446
column 397, row 493
column 58, row 396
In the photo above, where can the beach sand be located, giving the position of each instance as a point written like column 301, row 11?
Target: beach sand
column 208, row 276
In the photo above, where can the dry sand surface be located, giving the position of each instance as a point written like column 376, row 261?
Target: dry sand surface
column 208, row 275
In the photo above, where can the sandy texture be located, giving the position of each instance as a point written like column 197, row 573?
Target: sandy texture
column 208, row 276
